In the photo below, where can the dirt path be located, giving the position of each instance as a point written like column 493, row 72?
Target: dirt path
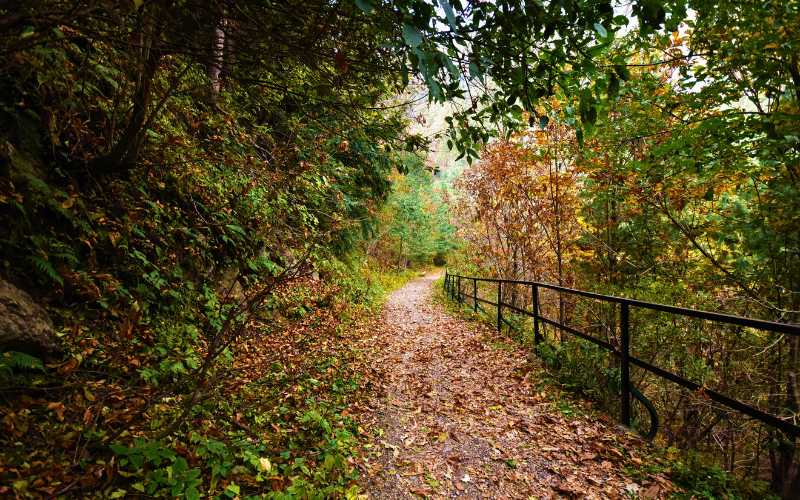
column 458, row 416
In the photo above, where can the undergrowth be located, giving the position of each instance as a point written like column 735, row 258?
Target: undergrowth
column 274, row 425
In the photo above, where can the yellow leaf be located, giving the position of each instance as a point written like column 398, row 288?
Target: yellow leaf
column 264, row 464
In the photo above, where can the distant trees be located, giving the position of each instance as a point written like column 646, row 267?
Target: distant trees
column 414, row 227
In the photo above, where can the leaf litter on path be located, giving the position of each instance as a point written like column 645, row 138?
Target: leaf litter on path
column 452, row 417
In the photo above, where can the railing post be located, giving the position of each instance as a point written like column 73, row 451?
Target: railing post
column 537, row 336
column 475, row 294
column 458, row 289
column 625, row 375
column 444, row 283
column 499, row 306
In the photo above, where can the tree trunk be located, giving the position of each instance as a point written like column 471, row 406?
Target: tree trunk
column 783, row 458
column 125, row 151
column 217, row 58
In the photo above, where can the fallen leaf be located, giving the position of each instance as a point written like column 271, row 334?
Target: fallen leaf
column 58, row 409
column 652, row 492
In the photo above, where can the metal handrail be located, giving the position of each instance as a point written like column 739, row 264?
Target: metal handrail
column 452, row 285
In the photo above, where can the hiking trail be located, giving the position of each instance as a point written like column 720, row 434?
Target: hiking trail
column 458, row 414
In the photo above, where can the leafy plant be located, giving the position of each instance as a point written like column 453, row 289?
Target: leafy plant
column 13, row 361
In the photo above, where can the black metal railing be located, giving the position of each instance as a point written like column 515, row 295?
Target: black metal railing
column 453, row 287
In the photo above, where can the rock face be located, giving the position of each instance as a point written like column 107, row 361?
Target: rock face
column 24, row 324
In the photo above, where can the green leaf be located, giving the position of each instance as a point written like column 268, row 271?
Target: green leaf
column 365, row 5
column 601, row 30
column 236, row 229
column 620, row 20
column 474, row 70
column 232, row 490
column 119, row 449
column 622, row 71
column 613, row 85
column 46, row 268
column 448, row 11
column 650, row 12
column 16, row 359
column 412, row 36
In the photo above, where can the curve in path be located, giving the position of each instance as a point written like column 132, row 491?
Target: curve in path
column 458, row 416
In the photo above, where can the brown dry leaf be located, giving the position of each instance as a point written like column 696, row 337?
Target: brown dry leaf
column 87, row 415
column 58, row 409
column 569, row 486
column 69, row 366
column 654, row 491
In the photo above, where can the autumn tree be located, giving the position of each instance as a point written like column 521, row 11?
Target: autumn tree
column 519, row 207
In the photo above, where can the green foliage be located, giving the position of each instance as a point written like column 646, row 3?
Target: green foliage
column 528, row 51
column 12, row 361
column 701, row 480
column 161, row 470
column 416, row 219
column 581, row 367
column 310, row 441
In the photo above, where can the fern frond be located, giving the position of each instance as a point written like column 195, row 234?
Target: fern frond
column 14, row 359
column 45, row 268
